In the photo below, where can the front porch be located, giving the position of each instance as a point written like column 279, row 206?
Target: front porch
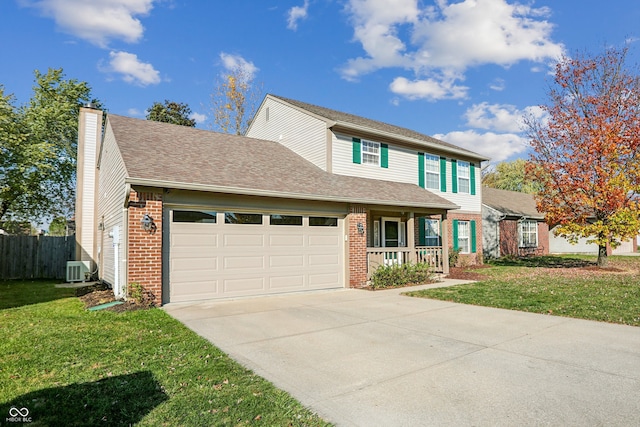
column 432, row 255
column 406, row 237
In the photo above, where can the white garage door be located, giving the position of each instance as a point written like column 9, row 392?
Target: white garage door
column 232, row 254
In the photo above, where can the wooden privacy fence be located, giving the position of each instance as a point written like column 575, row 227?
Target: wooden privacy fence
column 35, row 257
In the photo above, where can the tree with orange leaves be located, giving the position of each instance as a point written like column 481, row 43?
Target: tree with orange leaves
column 587, row 150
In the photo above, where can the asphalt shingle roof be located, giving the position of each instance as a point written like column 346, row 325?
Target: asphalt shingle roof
column 374, row 125
column 175, row 156
column 511, row 203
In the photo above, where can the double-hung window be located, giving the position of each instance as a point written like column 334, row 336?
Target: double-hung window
column 431, row 232
column 432, row 171
column 463, row 237
column 528, row 231
column 370, row 153
column 463, row 177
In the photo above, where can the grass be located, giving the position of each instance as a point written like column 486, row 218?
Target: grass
column 563, row 286
column 69, row 366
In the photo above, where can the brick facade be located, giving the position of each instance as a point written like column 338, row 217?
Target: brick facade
column 145, row 246
column 357, row 246
column 510, row 239
column 470, row 258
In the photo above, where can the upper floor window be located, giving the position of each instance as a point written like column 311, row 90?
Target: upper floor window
column 370, row 153
column 463, row 177
column 432, row 171
column 528, row 231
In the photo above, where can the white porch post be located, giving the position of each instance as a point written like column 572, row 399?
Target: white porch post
column 445, row 244
column 411, row 237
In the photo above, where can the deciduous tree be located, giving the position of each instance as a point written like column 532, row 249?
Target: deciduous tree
column 511, row 176
column 234, row 101
column 38, row 147
column 172, row 112
column 587, row 150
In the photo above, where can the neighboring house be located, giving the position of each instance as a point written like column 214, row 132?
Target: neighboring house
column 560, row 245
column 348, row 145
column 193, row 214
column 511, row 224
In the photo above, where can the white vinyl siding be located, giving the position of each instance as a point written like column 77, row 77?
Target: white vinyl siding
column 302, row 133
column 111, row 207
column 402, row 163
column 466, row 201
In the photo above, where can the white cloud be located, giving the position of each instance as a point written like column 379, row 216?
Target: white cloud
column 232, row 62
column 499, row 117
column 96, row 21
column 448, row 38
column 199, row 118
column 132, row 69
column 296, row 14
column 134, row 112
column 429, row 89
column 497, row 84
column 498, row 147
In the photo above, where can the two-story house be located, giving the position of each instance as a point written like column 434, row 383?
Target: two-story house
column 311, row 199
column 345, row 144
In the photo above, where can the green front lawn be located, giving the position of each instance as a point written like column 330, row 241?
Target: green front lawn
column 563, row 286
column 69, row 366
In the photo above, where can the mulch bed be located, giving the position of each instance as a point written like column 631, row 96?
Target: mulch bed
column 467, row 273
column 95, row 295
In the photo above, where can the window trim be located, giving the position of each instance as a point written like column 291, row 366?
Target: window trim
column 435, row 174
column 522, row 231
column 461, row 237
column 437, row 229
column 464, row 166
column 363, row 151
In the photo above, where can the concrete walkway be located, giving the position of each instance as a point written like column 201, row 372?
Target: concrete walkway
column 361, row 358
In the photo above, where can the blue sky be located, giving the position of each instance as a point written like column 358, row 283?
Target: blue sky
column 462, row 71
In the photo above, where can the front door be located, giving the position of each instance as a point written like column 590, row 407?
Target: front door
column 391, row 234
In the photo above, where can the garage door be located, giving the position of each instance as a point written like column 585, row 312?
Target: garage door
column 232, row 254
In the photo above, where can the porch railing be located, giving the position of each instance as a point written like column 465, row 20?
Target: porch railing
column 431, row 255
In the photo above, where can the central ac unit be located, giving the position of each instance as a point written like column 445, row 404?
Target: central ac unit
column 76, row 271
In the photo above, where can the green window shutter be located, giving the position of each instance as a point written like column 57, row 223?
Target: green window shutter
column 473, row 236
column 384, row 155
column 357, row 157
column 454, row 175
column 443, row 174
column 421, row 169
column 421, row 232
column 472, row 179
column 454, row 226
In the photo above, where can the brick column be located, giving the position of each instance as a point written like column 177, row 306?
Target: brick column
column 357, row 246
column 144, row 257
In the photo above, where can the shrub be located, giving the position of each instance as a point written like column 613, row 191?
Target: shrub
column 139, row 295
column 454, row 255
column 398, row 275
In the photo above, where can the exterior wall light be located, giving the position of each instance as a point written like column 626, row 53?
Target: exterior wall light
column 148, row 224
column 360, row 228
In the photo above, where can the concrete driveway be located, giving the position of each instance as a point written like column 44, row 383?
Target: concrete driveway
column 362, row 358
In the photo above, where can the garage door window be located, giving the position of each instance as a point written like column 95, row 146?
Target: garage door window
column 242, row 218
column 285, row 220
column 194, row 216
column 323, row 221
